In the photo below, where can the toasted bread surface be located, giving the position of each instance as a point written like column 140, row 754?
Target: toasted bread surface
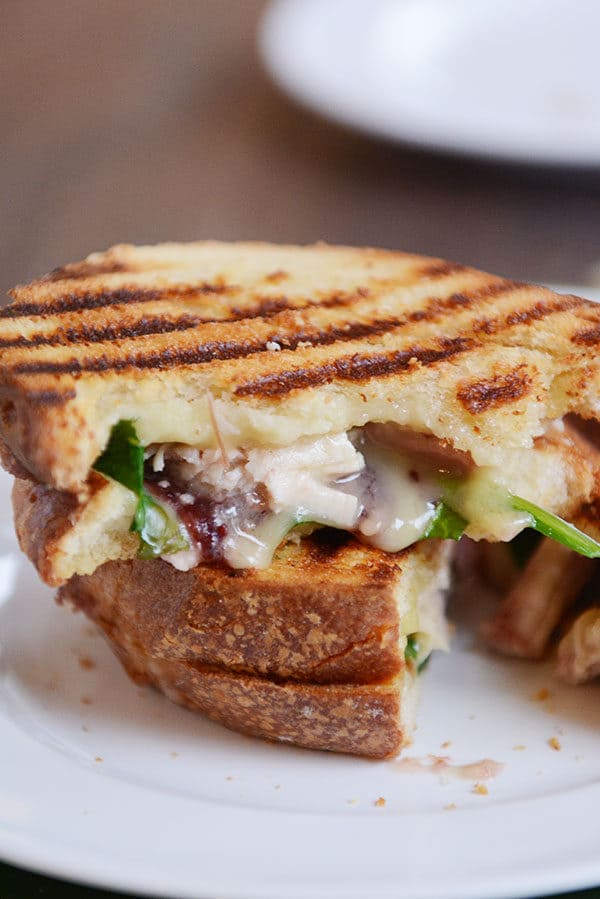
column 328, row 610
column 287, row 342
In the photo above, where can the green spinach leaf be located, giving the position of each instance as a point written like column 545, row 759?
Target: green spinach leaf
column 556, row 528
column 123, row 461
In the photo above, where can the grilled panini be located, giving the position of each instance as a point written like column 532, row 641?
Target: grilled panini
column 218, row 404
column 289, row 342
column 321, row 649
column 268, row 387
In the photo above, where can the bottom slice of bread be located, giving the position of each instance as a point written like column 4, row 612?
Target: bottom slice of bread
column 286, row 654
column 373, row 720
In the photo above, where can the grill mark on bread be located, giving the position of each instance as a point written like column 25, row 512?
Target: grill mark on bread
column 358, row 367
column 527, row 315
column 587, row 336
column 50, row 397
column 116, row 331
column 435, row 308
column 441, row 269
column 213, row 351
column 89, row 300
column 79, row 302
column 78, row 270
column 267, row 307
column 488, row 393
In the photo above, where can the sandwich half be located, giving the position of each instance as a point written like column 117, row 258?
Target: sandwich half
column 201, row 402
column 241, row 460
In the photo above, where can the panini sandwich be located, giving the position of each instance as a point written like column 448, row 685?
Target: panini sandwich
column 196, row 406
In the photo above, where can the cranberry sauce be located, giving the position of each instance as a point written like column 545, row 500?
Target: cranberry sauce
column 208, row 522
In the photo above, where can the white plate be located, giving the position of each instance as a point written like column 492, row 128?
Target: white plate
column 505, row 79
column 109, row 783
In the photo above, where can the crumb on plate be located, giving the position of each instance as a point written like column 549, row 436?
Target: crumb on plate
column 86, row 663
column 542, row 695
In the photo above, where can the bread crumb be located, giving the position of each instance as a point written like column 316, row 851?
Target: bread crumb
column 98, row 758
column 352, row 801
column 85, row 700
column 480, row 789
column 541, row 695
column 446, row 744
column 86, row 663
column 554, row 743
column 174, row 755
column 379, row 803
column 519, row 747
column 450, row 807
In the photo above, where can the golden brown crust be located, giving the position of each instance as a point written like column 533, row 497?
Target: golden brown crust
column 362, row 720
column 326, row 611
column 42, row 517
column 59, row 531
column 310, row 667
column 477, row 360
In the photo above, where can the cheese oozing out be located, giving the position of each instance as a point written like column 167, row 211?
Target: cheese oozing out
column 236, row 506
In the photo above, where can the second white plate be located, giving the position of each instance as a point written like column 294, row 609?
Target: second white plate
column 501, row 79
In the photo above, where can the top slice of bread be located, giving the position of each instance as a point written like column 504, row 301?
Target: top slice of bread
column 280, row 342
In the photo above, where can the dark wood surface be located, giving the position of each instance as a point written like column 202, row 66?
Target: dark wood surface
column 146, row 120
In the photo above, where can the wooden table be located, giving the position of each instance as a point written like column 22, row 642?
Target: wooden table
column 146, row 120
column 142, row 120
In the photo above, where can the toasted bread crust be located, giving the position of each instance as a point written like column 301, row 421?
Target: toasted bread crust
column 42, row 518
column 54, row 527
column 364, row 335
column 311, row 666
column 364, row 720
column 327, row 611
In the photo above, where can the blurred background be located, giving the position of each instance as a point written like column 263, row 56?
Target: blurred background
column 146, row 120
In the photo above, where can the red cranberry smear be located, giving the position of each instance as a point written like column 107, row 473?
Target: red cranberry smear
column 201, row 518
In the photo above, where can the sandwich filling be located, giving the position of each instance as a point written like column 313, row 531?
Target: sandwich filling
column 390, row 488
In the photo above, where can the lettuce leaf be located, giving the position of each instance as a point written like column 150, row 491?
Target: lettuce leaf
column 123, row 461
column 446, row 524
column 556, row 528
